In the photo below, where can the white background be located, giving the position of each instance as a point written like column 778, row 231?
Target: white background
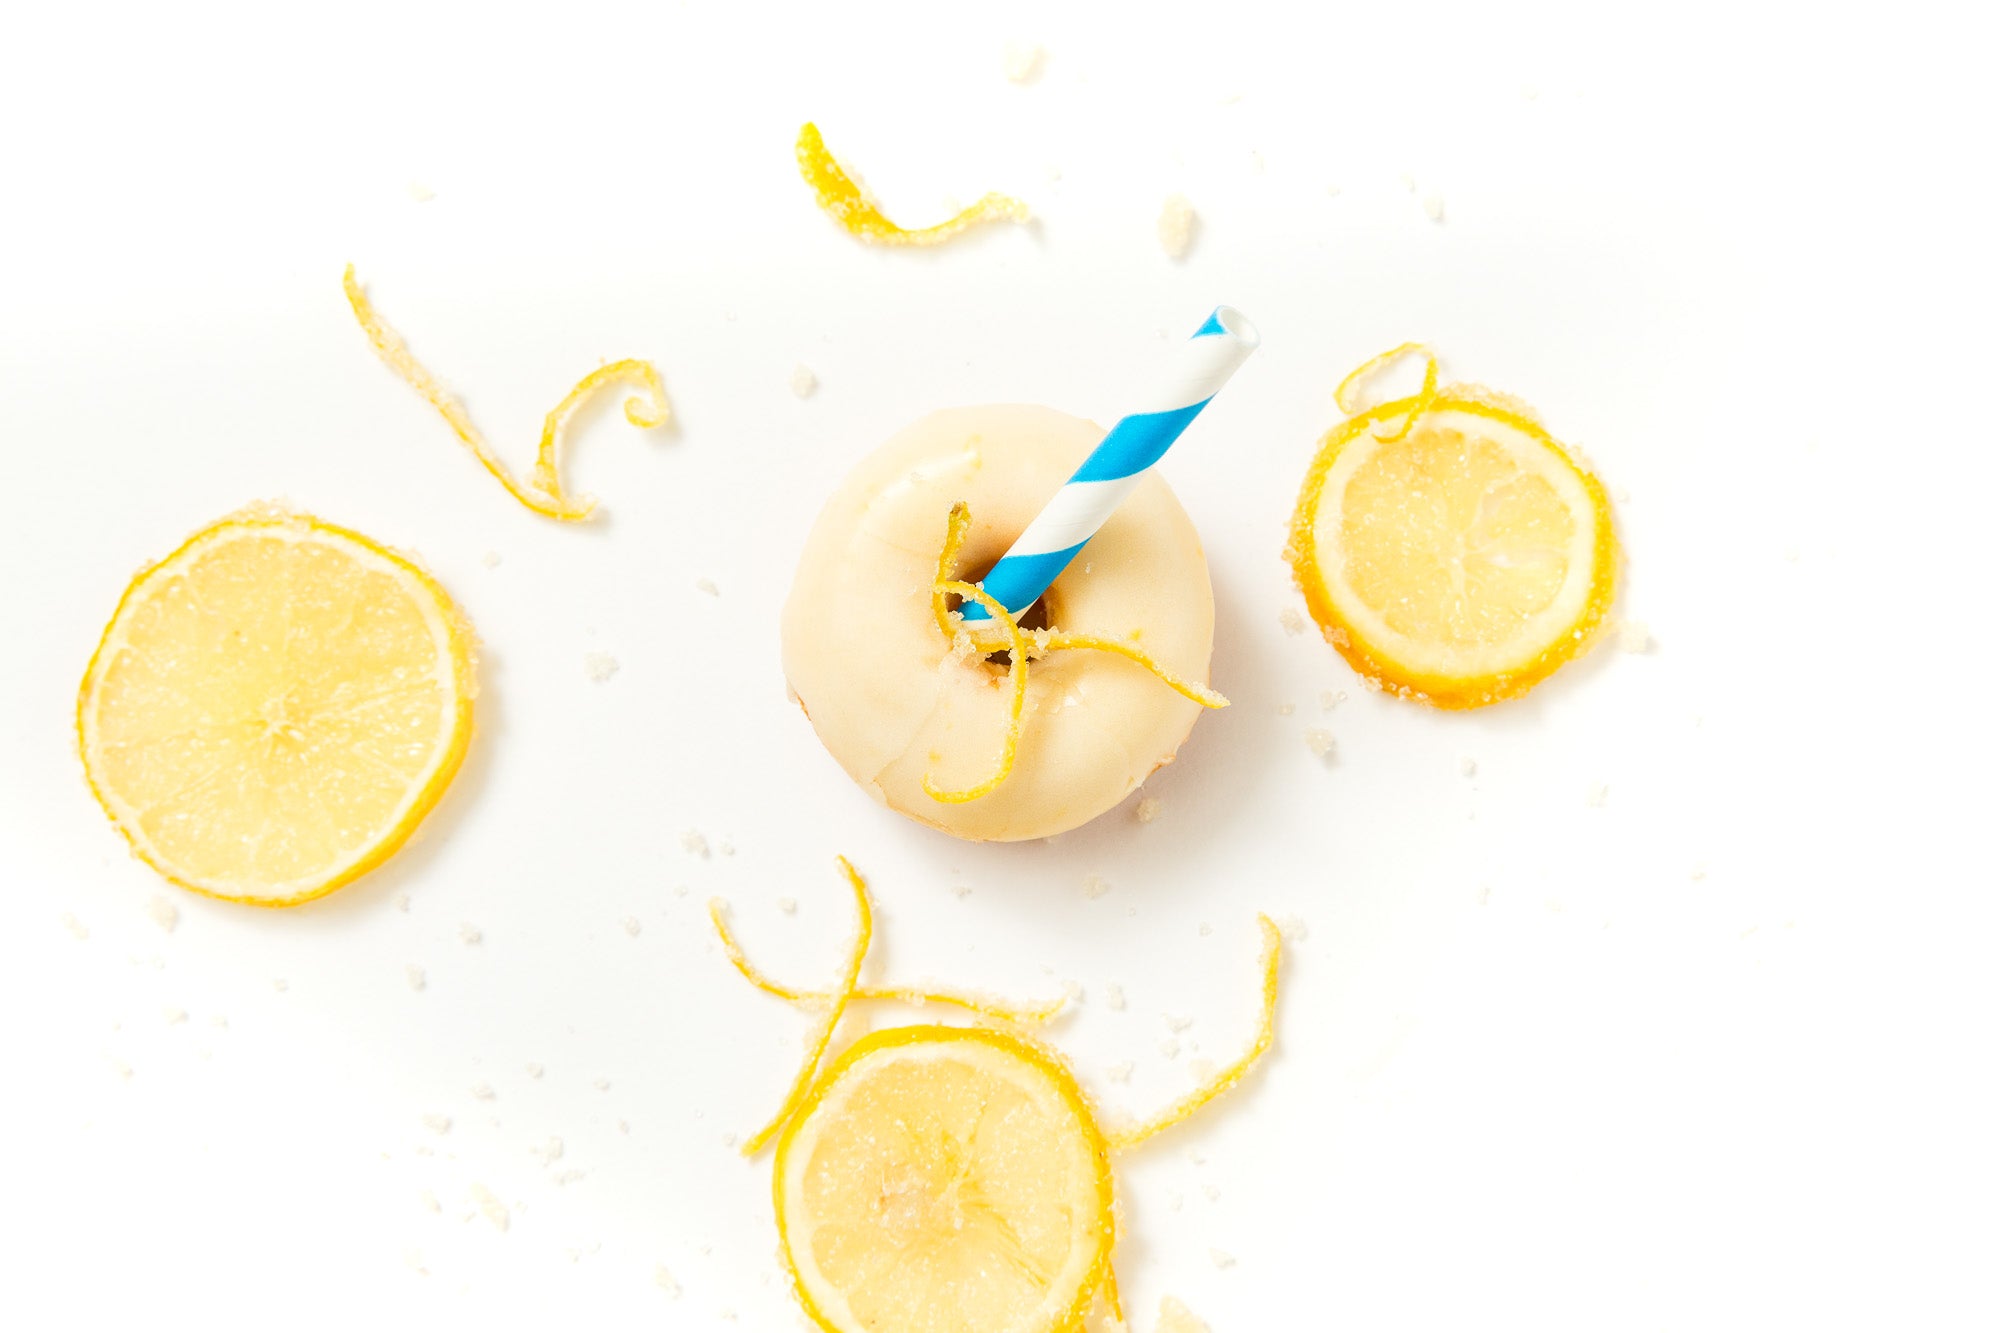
column 1715, row 1053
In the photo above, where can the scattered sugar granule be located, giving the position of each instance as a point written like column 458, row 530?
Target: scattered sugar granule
column 1147, row 810
column 630, row 925
column 961, row 890
column 1120, row 1072
column 1292, row 927
column 1196, row 1157
column 1022, row 62
column 402, row 902
column 624, row 1127
column 1332, row 191
column 280, row 984
column 600, row 667
column 420, row 192
column 165, row 915
column 788, row 905
column 1320, row 742
column 680, row 890
column 414, row 1261
column 1467, row 765
column 1529, row 92
column 1114, row 995
column 1485, row 894
column 601, row 1084
column 469, row 933
column 1177, row 1022
column 728, row 1140
column 1073, row 991
column 694, row 844
column 1170, row 1047
column 1202, row 1069
column 569, row 1177
column 1698, row 874
column 122, row 1069
column 726, row 847
column 549, row 1152
column 75, row 927
column 438, row 1124
column 1204, row 929
column 1256, row 162
column 1174, row 1201
column 1286, row 709
column 664, row 1280
column 429, row 1201
column 1792, row 555
column 415, row 976
column 1177, row 1318
column 491, row 559
column 217, row 1021
column 1222, row 1258
column 1599, row 792
column 174, row 1015
column 534, row 1070
column 1211, row 1192
column 1409, row 182
column 496, row 1211
column 482, row 1092
column 1329, row 698
column 1634, row 637
column 707, row 586
column 1434, row 206
column 1291, row 621
column 1176, row 226
column 1095, row 886
column 803, row 381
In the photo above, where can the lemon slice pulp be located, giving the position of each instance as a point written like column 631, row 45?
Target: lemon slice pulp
column 1458, row 560
column 945, row 1180
column 275, row 707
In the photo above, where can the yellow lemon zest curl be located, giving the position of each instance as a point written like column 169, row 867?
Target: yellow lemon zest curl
column 843, row 199
column 983, row 1005
column 1232, row 1073
column 1348, row 398
column 544, row 492
column 1006, row 635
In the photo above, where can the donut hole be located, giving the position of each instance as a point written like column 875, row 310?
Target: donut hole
column 1040, row 615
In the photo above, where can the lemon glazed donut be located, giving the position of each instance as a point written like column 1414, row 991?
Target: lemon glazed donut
column 896, row 702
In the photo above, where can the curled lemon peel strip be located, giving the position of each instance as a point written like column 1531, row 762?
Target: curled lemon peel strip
column 544, row 494
column 984, row 1006
column 1111, row 1294
column 1229, row 1076
column 843, row 199
column 1347, row 396
column 1007, row 635
column 816, row 1051
column 1017, row 676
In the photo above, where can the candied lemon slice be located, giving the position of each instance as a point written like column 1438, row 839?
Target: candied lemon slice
column 275, row 707
column 945, row 1180
column 843, row 199
column 1451, row 549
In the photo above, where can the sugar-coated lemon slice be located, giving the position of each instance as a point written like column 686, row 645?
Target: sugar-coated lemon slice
column 1451, row 549
column 945, row 1180
column 275, row 707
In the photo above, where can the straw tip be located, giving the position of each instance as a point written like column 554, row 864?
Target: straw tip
column 1227, row 321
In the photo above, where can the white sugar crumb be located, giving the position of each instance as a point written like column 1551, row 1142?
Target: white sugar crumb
column 1286, row 709
column 600, row 667
column 1467, row 765
column 496, row 1211
column 694, row 844
column 534, row 1070
column 1434, row 206
column 550, row 1152
column 728, row 1140
column 402, row 902
column 601, row 1084
column 122, row 1069
column 1114, row 995
column 1698, row 874
column 280, row 984
column 1120, row 1072
column 1222, row 1258
column 1022, row 62
column 1634, row 637
column 1176, row 226
column 491, row 560
column 1329, row 699
column 75, row 927
column 469, row 933
column 1170, row 1047
column 803, row 381
column 1201, row 1069
column 630, row 925
column 707, row 586
column 217, row 1021
column 482, row 1091
column 1211, row 1193
column 429, row 1202
column 1409, row 182
column 1204, row 929
column 438, row 1124
column 1095, row 886
column 664, row 1280
column 1147, row 810
column 415, row 976
column 1291, row 621
column 165, row 915
column 1291, row 927
column 788, row 905
column 961, row 890
column 1320, row 742
column 1599, row 793
column 1177, row 1022
column 174, row 1015
column 420, row 193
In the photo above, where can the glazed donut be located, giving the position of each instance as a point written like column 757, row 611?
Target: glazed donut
column 894, row 703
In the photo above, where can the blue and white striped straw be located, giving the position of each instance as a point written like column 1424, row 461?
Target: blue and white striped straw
column 1200, row 367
